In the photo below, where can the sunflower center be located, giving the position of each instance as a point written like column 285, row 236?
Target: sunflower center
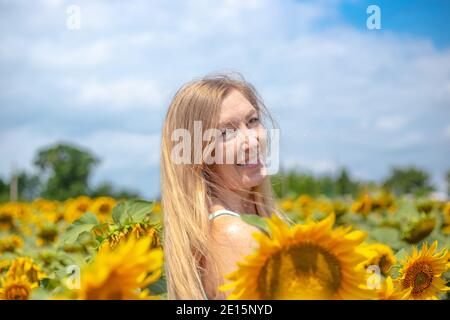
column 301, row 271
column 6, row 219
column 104, row 208
column 17, row 292
column 419, row 276
column 82, row 207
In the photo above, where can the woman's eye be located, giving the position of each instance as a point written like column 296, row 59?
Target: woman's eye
column 253, row 120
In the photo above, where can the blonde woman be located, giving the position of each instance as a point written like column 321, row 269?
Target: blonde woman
column 202, row 201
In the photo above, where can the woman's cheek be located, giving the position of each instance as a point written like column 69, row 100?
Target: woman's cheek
column 228, row 151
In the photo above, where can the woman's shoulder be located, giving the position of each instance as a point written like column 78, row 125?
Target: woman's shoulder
column 232, row 229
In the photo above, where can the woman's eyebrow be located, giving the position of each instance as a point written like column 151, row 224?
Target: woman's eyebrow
column 231, row 121
column 251, row 112
column 227, row 123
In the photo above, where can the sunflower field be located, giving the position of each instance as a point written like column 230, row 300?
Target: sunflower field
column 377, row 246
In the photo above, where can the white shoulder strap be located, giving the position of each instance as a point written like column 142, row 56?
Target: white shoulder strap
column 223, row 212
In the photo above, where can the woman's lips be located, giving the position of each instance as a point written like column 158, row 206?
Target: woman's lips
column 249, row 166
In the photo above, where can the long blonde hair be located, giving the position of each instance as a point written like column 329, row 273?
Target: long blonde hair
column 187, row 188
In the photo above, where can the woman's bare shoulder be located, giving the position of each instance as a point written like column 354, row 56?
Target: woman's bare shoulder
column 232, row 230
column 232, row 240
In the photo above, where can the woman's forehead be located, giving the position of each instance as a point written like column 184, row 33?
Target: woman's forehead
column 235, row 107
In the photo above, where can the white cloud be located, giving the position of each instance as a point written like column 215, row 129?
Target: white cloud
column 447, row 132
column 56, row 55
column 335, row 90
column 121, row 150
column 125, row 94
column 391, row 123
column 18, row 147
column 317, row 166
column 408, row 140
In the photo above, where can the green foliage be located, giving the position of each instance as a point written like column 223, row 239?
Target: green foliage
column 108, row 189
column 344, row 184
column 294, row 183
column 256, row 221
column 4, row 191
column 68, row 169
column 124, row 214
column 409, row 180
column 132, row 211
column 86, row 223
column 159, row 287
column 29, row 186
column 64, row 171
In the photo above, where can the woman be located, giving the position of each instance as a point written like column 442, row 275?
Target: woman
column 202, row 200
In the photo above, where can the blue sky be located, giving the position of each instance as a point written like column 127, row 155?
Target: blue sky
column 418, row 18
column 342, row 94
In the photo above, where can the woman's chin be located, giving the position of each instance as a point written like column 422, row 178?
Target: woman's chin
column 253, row 180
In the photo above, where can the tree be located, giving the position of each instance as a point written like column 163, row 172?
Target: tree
column 344, row 184
column 29, row 186
column 107, row 189
column 409, row 180
column 4, row 190
column 296, row 183
column 68, row 169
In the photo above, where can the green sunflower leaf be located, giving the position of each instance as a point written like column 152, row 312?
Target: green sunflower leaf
column 159, row 287
column 395, row 271
column 256, row 221
column 132, row 211
column 401, row 254
column 85, row 224
column 40, row 294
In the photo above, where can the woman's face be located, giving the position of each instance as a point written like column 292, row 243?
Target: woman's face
column 242, row 142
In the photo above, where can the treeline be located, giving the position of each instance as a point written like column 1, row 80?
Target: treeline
column 63, row 171
column 408, row 180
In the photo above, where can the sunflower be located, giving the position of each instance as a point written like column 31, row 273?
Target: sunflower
column 157, row 207
column 446, row 218
column 4, row 265
column 310, row 261
column 10, row 243
column 137, row 230
column 122, row 273
column 419, row 228
column 44, row 205
column 425, row 206
column 16, row 288
column 8, row 215
column 363, row 205
column 422, row 272
column 287, row 205
column 102, row 207
column 384, row 201
column 75, row 208
column 25, row 266
column 50, row 210
column 339, row 208
column 47, row 234
column 304, row 205
column 381, row 255
column 391, row 291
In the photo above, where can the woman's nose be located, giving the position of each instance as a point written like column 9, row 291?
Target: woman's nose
column 249, row 139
